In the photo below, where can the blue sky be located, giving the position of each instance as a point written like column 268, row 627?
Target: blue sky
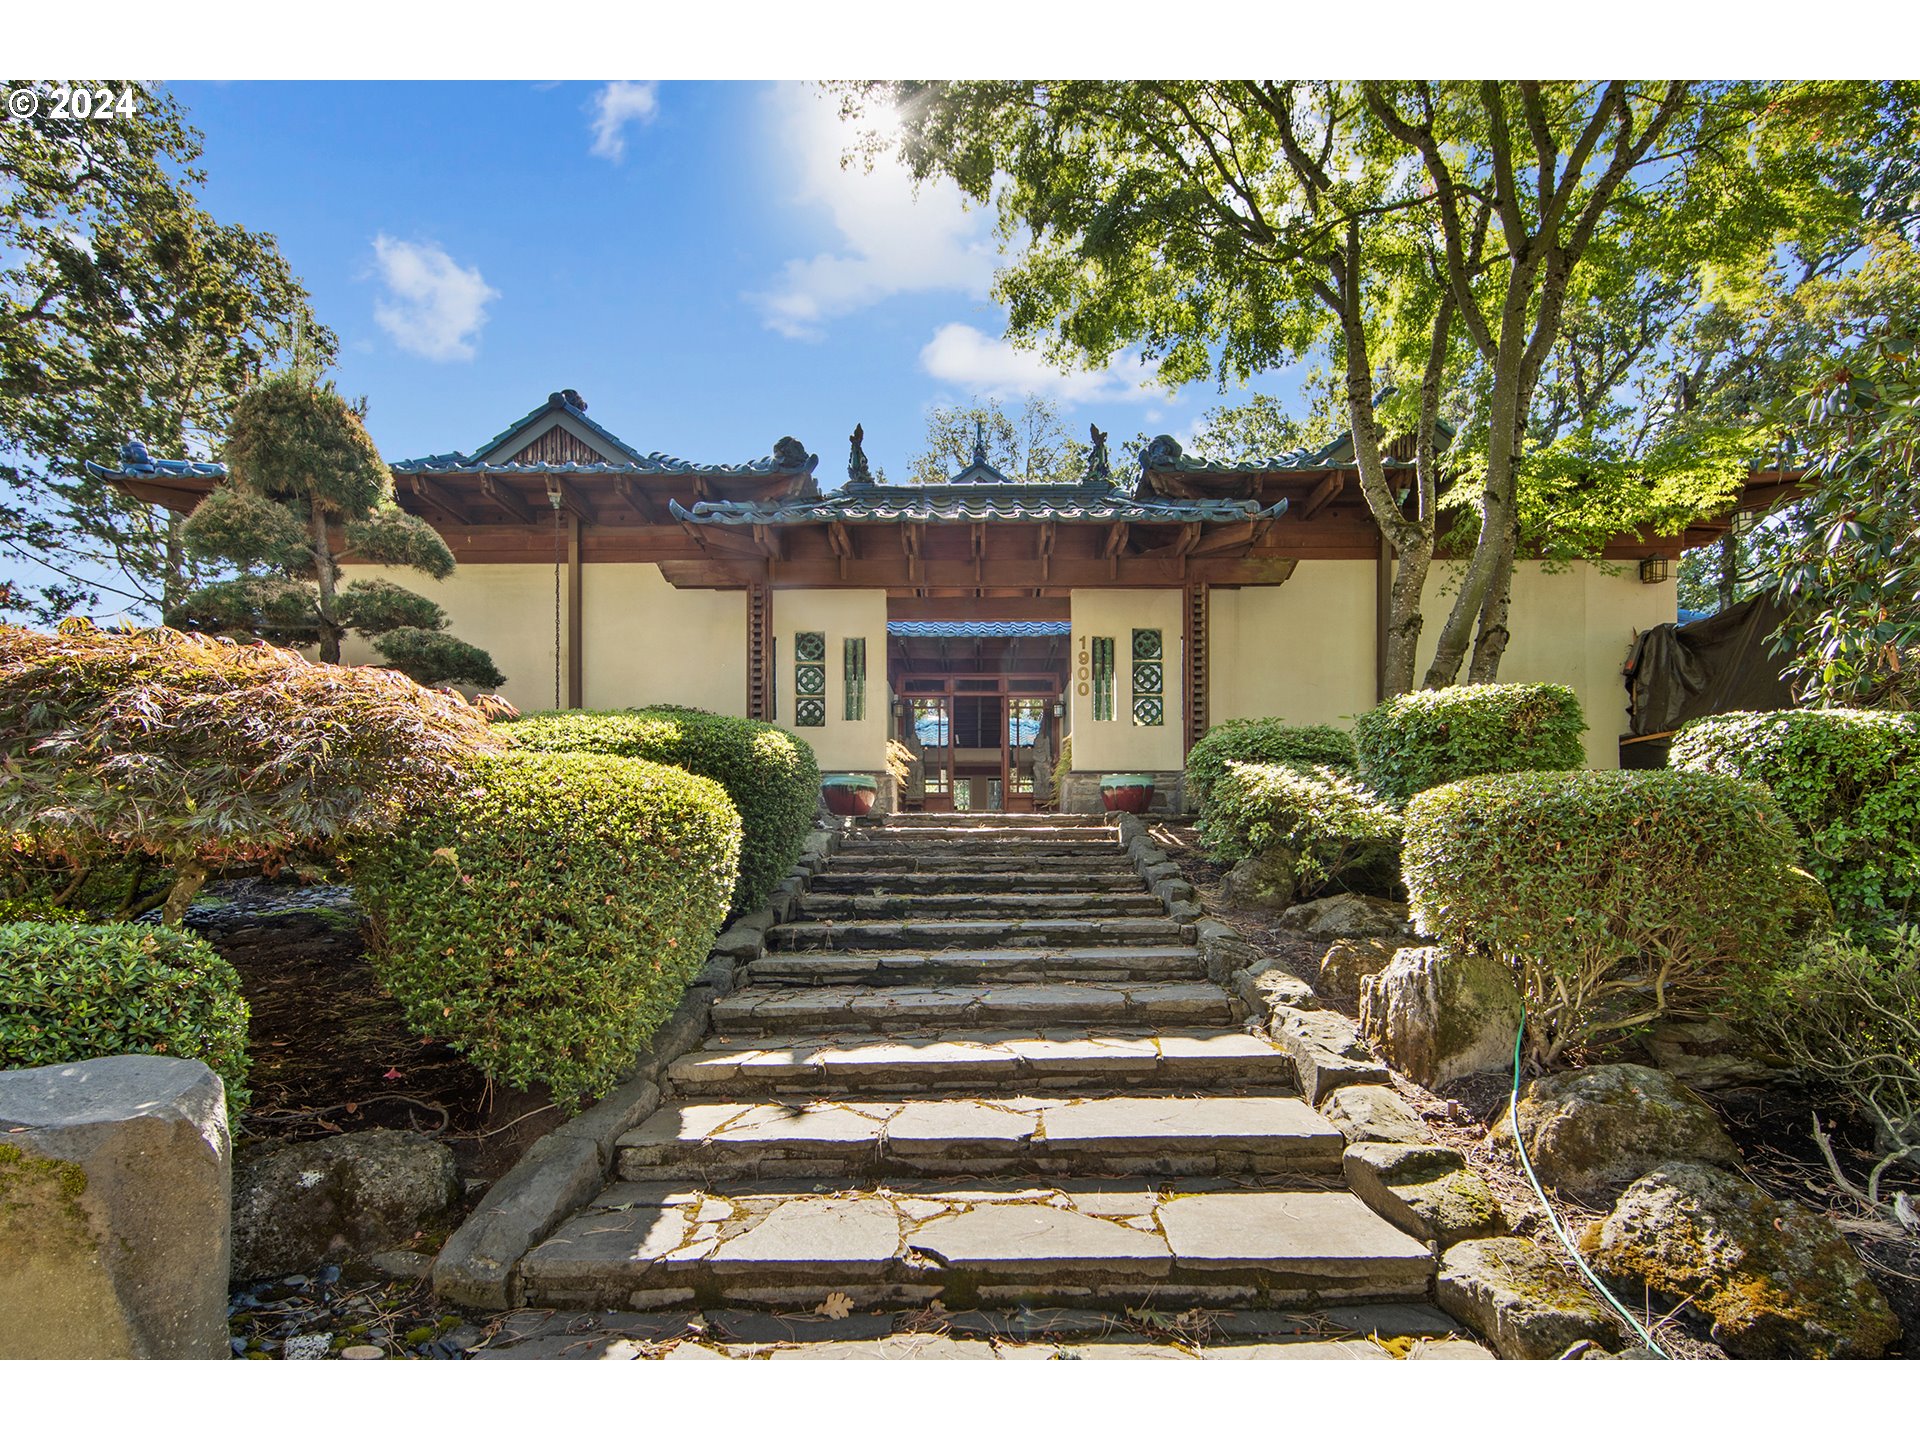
column 690, row 256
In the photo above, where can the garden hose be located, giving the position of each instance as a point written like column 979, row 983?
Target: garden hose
column 1520, row 1146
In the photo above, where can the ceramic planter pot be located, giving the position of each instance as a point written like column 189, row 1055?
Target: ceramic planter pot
column 1129, row 793
column 849, row 794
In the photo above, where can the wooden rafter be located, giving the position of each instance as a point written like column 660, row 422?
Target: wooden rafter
column 440, row 498
column 1323, row 494
column 635, row 499
column 507, row 498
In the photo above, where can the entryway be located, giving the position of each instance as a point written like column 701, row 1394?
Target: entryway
column 978, row 703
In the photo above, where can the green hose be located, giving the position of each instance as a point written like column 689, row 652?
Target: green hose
column 1520, row 1145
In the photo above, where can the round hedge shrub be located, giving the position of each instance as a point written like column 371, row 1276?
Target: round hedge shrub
column 770, row 775
column 1850, row 782
column 544, row 917
column 1262, row 742
column 1617, row 896
column 1414, row 742
column 71, row 991
column 1336, row 830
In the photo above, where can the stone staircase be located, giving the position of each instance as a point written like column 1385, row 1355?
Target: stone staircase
column 983, row 1066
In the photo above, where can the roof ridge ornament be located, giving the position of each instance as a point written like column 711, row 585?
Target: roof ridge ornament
column 1099, row 464
column 858, row 472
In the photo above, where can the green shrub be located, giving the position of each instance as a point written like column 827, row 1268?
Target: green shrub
column 1849, row 1017
column 545, row 917
column 1616, row 896
column 1433, row 737
column 1262, row 742
column 771, row 775
column 199, row 754
column 1850, row 782
column 76, row 992
column 1335, row 829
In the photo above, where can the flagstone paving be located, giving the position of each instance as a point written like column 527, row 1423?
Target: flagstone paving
column 980, row 1073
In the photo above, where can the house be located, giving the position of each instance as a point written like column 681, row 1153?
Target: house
column 982, row 621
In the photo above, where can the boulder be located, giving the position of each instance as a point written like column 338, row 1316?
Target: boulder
column 1427, row 1190
column 1436, row 1015
column 114, row 1183
column 1707, row 1054
column 1335, row 917
column 1777, row 1280
column 1327, row 1052
column 1348, row 962
column 1526, row 1304
column 297, row 1206
column 1262, row 882
column 1593, row 1132
column 1268, row 989
column 1365, row 1113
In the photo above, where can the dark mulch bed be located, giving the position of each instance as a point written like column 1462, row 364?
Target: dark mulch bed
column 331, row 1051
column 1772, row 1126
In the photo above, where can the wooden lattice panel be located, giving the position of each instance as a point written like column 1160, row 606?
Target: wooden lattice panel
column 1194, row 700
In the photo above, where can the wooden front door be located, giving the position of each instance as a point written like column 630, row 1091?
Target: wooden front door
column 978, row 736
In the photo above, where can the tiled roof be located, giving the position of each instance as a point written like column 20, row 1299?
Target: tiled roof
column 976, row 629
column 970, row 504
column 635, row 463
column 137, row 464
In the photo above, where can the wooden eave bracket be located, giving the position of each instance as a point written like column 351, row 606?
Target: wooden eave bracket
column 507, row 498
column 1323, row 494
column 426, row 488
column 635, row 499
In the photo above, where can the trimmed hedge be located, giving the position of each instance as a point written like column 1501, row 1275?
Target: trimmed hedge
column 1616, row 896
column 1262, row 742
column 1850, row 782
column 770, row 775
column 1334, row 827
column 71, row 991
column 545, row 917
column 1414, row 742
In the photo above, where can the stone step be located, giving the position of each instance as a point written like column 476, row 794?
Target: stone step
column 985, row 1061
column 768, row 1009
column 985, row 835
column 973, row 881
column 921, row 967
column 1010, row 849
column 934, row 820
column 975, row 934
column 1007, row 1134
column 1098, row 1244
column 980, row 904
column 910, row 862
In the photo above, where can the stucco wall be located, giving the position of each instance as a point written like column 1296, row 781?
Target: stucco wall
column 1119, row 744
column 840, row 744
column 646, row 643
column 642, row 641
column 507, row 610
column 1575, row 628
column 1301, row 651
column 1304, row 651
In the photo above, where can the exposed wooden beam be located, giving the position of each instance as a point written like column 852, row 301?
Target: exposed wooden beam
column 576, row 670
column 439, row 497
column 635, row 499
column 571, row 499
column 507, row 498
column 1322, row 494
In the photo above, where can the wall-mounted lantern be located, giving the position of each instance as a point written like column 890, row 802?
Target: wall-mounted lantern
column 1655, row 570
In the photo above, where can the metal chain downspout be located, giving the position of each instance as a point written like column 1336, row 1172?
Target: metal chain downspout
column 1520, row 1147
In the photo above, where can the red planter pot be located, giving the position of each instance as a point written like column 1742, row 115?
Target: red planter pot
column 1131, row 794
column 848, row 795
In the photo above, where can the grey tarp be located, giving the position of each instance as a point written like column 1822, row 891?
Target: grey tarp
column 1678, row 673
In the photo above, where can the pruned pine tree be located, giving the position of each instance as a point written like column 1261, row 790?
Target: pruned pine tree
column 306, row 489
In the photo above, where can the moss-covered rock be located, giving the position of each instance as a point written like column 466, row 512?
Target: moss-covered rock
column 1437, row 1014
column 1593, row 1132
column 1267, row 881
column 1427, row 1190
column 1348, row 962
column 1526, row 1304
column 1776, row 1280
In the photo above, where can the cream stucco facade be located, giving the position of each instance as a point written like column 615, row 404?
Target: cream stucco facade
column 1121, row 744
column 840, row 743
column 1302, row 651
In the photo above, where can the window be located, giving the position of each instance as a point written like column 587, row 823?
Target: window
column 854, row 678
column 809, row 679
column 1149, row 679
column 931, row 724
column 1024, row 718
column 1103, row 677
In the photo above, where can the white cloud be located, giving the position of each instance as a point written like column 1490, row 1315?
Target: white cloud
column 433, row 306
column 892, row 240
column 981, row 365
column 618, row 104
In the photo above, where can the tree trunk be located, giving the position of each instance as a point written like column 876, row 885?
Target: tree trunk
column 1491, row 642
column 330, row 630
column 188, row 877
column 173, row 584
column 1729, row 567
